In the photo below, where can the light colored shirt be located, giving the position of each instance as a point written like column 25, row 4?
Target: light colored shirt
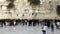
column 14, row 22
column 44, row 27
column 58, row 23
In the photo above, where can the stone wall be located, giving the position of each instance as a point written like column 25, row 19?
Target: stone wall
column 23, row 10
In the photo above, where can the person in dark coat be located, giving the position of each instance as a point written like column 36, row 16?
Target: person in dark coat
column 48, row 24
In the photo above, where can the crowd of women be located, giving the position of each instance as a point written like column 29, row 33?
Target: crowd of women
column 32, row 22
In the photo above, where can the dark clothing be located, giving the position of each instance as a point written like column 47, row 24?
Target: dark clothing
column 48, row 24
column 44, row 32
column 57, row 27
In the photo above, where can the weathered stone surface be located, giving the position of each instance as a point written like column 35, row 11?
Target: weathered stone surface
column 45, row 11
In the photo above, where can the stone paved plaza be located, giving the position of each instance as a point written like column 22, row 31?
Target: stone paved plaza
column 25, row 30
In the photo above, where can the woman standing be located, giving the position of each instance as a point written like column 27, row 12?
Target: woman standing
column 44, row 29
column 52, row 26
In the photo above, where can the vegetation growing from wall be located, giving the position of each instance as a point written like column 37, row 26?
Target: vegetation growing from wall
column 11, row 4
column 58, row 9
column 10, row 0
column 34, row 2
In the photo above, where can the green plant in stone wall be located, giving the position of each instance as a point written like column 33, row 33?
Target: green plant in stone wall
column 10, row 6
column 58, row 9
column 11, row 0
column 34, row 2
column 28, row 0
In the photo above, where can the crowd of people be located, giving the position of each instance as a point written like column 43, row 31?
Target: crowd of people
column 30, row 22
column 21, row 22
column 44, row 23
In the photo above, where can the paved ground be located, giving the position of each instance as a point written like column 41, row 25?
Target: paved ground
column 24, row 30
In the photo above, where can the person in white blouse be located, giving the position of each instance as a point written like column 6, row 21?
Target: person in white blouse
column 44, row 29
column 58, row 23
